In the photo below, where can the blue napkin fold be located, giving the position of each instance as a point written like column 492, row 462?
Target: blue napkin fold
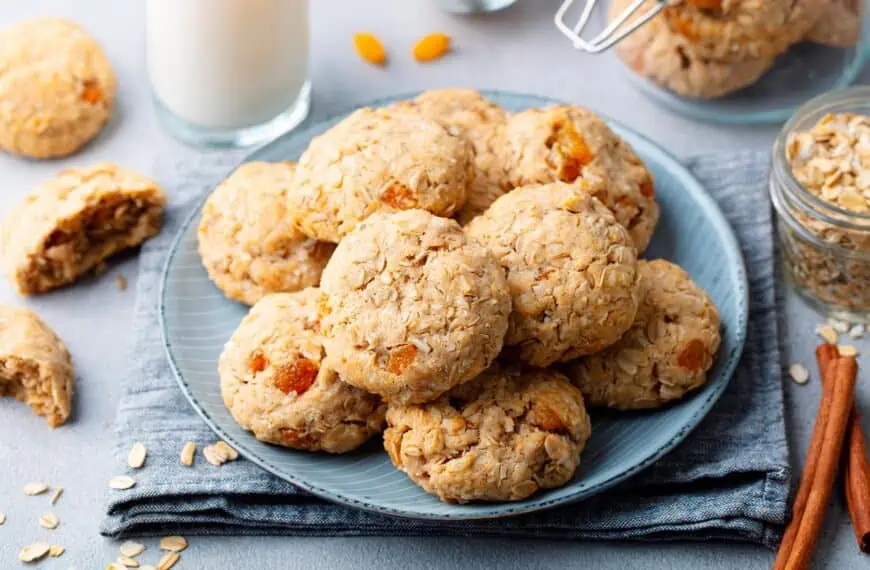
column 729, row 479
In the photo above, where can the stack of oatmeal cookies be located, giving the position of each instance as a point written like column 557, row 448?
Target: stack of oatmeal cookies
column 710, row 48
column 465, row 279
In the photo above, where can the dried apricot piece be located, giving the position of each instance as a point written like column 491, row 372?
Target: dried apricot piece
column 545, row 418
column 258, row 362
column 298, row 440
column 91, row 91
column 401, row 358
column 297, row 377
column 431, row 46
column 707, row 4
column 399, row 196
column 370, row 48
column 647, row 188
column 569, row 152
column 692, row 356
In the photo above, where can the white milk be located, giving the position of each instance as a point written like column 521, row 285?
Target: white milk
column 227, row 63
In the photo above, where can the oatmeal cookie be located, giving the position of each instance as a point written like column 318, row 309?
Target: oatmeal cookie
column 500, row 437
column 379, row 160
column 467, row 113
column 571, row 268
column 275, row 383
column 413, row 306
column 564, row 143
column 74, row 221
column 35, row 366
column 664, row 355
column 57, row 88
column 840, row 25
column 674, row 63
column 246, row 240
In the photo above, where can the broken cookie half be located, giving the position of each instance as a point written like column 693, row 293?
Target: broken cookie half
column 70, row 224
column 35, row 366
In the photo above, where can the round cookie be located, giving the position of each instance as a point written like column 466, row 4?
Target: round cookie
column 467, row 113
column 666, row 353
column 571, row 268
column 248, row 244
column 673, row 62
column 275, row 384
column 500, row 437
column 379, row 160
column 413, row 306
column 564, row 143
column 57, row 88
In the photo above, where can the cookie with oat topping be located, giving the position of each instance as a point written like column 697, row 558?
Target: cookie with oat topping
column 468, row 113
column 73, row 222
column 500, row 437
column 275, row 383
column 564, row 143
column 57, row 88
column 35, row 366
column 379, row 160
column 413, row 306
column 571, row 269
column 247, row 242
column 664, row 355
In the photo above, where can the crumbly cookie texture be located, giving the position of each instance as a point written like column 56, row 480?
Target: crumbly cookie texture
column 673, row 62
column 35, row 366
column 57, row 88
column 379, row 160
column 74, row 221
column 564, row 143
column 664, row 355
column 500, row 437
column 275, row 383
column 467, row 113
column 412, row 306
column 571, row 268
column 840, row 24
column 247, row 242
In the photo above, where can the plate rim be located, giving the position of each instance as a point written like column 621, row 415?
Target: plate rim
column 494, row 510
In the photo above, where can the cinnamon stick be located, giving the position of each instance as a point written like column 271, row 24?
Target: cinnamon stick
column 856, row 477
column 841, row 375
column 826, row 353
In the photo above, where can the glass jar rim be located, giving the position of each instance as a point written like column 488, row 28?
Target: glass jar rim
column 822, row 105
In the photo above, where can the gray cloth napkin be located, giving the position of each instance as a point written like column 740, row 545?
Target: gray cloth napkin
column 730, row 478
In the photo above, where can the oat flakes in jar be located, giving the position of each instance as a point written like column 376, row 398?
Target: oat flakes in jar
column 820, row 188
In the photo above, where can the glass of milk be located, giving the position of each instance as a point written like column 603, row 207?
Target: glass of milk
column 228, row 72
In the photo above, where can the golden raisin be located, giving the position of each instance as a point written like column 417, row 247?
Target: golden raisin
column 370, row 48
column 399, row 196
column 401, row 358
column 298, row 377
column 431, row 46
column 91, row 91
column 258, row 362
column 544, row 417
column 692, row 356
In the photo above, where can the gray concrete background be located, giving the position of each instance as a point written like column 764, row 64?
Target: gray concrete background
column 519, row 50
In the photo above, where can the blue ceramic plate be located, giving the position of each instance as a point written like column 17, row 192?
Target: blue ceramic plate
column 197, row 320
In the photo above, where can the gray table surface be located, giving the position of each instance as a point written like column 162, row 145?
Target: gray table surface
column 517, row 50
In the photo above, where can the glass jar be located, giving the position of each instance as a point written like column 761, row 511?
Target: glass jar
column 825, row 247
column 228, row 72
column 668, row 66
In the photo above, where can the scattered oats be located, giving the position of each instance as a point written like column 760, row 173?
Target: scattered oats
column 187, row 453
column 56, row 550
column 136, row 456
column 847, row 350
column 839, row 326
column 828, row 333
column 213, row 456
column 127, row 562
column 173, row 543
column 49, row 521
column 116, row 566
column 121, row 282
column 227, row 450
column 35, row 489
column 2, row 517
column 131, row 548
column 33, row 552
column 121, row 482
column 148, row 567
column 799, row 373
column 857, row 331
column 168, row 561
column 56, row 495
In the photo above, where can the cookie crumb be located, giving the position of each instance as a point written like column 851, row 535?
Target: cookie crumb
column 219, row 453
column 121, row 282
column 187, row 453
column 799, row 373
